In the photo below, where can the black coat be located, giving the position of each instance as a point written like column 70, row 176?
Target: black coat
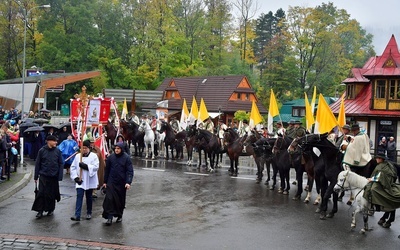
column 49, row 162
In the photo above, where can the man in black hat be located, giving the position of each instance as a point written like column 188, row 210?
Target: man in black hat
column 290, row 131
column 382, row 192
column 357, row 151
column 300, row 131
column 280, row 130
column 49, row 170
column 344, row 138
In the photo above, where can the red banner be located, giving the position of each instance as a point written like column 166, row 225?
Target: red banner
column 104, row 112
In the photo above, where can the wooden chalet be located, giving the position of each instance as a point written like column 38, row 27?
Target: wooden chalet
column 372, row 96
column 222, row 95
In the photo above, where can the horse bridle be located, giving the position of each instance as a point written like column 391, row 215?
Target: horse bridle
column 344, row 181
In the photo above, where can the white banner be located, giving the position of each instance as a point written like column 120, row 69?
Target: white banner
column 93, row 115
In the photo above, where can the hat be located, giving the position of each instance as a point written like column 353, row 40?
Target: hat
column 245, row 121
column 51, row 138
column 280, row 123
column 292, row 121
column 355, row 126
column 86, row 143
column 346, row 126
column 380, row 155
column 297, row 122
column 120, row 145
column 220, row 120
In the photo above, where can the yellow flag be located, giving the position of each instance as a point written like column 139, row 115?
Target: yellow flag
column 325, row 118
column 309, row 115
column 203, row 113
column 124, row 110
column 184, row 115
column 255, row 116
column 194, row 111
column 342, row 114
column 272, row 112
column 314, row 97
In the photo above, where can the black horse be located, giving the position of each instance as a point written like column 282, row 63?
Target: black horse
column 285, row 161
column 131, row 133
column 328, row 172
column 209, row 143
column 263, row 152
column 169, row 140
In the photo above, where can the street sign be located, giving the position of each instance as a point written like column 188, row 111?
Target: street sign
column 39, row 100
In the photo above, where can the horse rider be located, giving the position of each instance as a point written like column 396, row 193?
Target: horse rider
column 174, row 124
column 209, row 125
column 135, row 118
column 344, row 138
column 357, row 151
column 153, row 123
column 290, row 131
column 245, row 129
column 300, row 131
column 221, row 127
column 280, row 130
column 382, row 191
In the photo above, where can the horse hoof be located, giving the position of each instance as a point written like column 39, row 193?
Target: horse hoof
column 285, row 192
column 330, row 215
column 258, row 181
column 322, row 217
column 153, row 158
column 271, row 188
column 349, row 203
column 266, row 183
column 316, row 203
column 294, row 183
column 306, row 188
column 235, row 174
column 318, row 210
column 296, row 197
column 362, row 231
column 306, row 201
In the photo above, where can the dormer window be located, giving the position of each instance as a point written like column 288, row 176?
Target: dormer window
column 350, row 91
column 394, row 90
column 380, row 91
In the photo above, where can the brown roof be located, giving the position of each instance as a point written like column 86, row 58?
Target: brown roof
column 215, row 90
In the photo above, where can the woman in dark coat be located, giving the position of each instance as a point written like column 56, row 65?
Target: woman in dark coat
column 117, row 179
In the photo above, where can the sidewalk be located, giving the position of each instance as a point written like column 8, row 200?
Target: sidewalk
column 19, row 180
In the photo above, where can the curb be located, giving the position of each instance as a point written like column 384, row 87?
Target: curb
column 16, row 187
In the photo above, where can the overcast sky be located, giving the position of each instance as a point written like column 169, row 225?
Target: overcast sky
column 379, row 17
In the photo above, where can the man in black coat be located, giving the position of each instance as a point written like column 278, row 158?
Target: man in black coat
column 49, row 170
column 117, row 180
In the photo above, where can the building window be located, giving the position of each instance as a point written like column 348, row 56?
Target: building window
column 298, row 112
column 239, row 96
column 350, row 91
column 247, row 96
column 380, row 91
column 394, row 91
column 172, row 94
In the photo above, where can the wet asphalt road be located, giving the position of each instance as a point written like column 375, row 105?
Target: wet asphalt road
column 175, row 206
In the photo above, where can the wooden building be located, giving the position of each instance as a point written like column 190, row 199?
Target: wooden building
column 223, row 95
column 372, row 96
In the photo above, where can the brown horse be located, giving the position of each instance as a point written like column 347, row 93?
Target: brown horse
column 111, row 135
column 234, row 149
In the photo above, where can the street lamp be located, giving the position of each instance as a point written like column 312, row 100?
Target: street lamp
column 26, row 14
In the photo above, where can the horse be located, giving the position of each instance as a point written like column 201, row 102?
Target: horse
column 285, row 161
column 310, row 159
column 180, row 142
column 169, row 139
column 131, row 133
column 210, row 144
column 190, row 142
column 234, row 149
column 327, row 172
column 111, row 132
column 263, row 152
column 149, row 137
column 348, row 180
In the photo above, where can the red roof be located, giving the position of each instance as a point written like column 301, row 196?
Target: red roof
column 360, row 106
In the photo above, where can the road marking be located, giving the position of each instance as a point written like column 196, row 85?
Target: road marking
column 243, row 178
column 152, row 169
column 195, row 173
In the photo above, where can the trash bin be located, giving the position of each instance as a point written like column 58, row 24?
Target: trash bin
column 64, row 109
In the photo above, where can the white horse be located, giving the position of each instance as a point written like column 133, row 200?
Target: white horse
column 148, row 138
column 348, row 180
column 160, row 139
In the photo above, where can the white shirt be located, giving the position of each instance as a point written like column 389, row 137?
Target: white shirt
column 89, row 177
